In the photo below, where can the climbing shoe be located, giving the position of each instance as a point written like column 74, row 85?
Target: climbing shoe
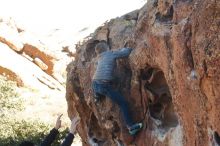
column 135, row 128
column 98, row 97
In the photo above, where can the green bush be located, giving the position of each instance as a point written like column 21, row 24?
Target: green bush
column 14, row 130
column 9, row 98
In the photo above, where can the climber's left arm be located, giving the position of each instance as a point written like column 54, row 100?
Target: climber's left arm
column 124, row 52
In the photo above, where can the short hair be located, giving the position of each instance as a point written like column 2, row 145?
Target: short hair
column 26, row 143
column 101, row 47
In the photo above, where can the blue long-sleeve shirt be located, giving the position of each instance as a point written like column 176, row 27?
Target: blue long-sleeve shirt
column 107, row 63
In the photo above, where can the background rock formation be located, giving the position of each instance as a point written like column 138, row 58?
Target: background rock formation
column 30, row 60
column 178, row 42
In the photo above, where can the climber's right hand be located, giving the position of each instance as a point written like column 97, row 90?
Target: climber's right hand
column 129, row 44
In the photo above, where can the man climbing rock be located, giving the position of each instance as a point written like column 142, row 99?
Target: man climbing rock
column 103, row 78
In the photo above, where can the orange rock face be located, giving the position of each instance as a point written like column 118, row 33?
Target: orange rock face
column 171, row 79
column 35, row 49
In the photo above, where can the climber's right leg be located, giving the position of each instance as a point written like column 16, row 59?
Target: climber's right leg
column 98, row 91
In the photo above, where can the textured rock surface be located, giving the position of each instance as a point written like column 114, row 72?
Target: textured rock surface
column 179, row 42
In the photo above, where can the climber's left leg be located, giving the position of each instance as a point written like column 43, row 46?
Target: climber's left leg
column 122, row 103
column 120, row 100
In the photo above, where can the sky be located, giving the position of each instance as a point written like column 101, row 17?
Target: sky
column 41, row 16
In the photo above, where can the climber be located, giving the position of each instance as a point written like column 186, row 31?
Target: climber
column 103, row 78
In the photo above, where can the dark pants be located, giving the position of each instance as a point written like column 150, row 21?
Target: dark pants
column 105, row 88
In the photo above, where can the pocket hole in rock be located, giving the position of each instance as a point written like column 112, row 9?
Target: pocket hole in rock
column 161, row 109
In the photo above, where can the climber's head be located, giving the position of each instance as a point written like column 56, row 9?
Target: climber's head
column 101, row 47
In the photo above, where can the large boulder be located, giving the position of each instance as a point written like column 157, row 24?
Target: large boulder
column 177, row 42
